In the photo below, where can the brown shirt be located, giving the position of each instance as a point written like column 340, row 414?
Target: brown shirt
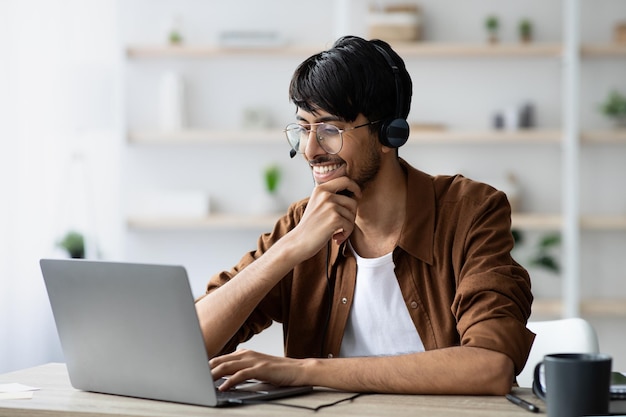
column 453, row 263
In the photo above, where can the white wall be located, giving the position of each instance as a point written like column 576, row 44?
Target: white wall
column 59, row 159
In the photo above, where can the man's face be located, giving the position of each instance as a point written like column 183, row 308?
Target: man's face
column 359, row 158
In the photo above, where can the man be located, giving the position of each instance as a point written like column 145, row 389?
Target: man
column 385, row 279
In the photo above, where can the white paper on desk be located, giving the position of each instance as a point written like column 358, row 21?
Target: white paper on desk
column 15, row 391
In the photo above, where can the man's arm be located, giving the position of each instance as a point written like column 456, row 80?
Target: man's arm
column 327, row 215
column 455, row 370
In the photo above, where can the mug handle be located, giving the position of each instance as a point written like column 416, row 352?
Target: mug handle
column 537, row 387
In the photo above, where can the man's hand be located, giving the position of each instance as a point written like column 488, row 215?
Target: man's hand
column 246, row 364
column 330, row 213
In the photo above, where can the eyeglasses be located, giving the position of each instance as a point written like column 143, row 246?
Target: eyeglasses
column 329, row 137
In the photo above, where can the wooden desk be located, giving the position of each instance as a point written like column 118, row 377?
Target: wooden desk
column 58, row 398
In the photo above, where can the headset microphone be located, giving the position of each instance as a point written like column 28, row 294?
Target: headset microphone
column 292, row 153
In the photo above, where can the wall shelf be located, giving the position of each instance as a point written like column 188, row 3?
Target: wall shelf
column 207, row 136
column 276, row 135
column 604, row 307
column 604, row 136
column 603, row 50
column 413, row 49
column 407, row 49
column 525, row 221
column 487, row 136
column 211, row 222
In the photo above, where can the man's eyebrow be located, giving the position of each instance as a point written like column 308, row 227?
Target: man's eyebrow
column 328, row 118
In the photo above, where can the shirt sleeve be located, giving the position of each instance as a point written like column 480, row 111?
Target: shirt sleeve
column 271, row 307
column 493, row 299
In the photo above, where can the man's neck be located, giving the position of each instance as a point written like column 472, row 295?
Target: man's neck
column 381, row 213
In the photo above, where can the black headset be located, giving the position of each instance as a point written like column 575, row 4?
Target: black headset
column 394, row 132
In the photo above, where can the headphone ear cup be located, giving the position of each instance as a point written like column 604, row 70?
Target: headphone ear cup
column 394, row 132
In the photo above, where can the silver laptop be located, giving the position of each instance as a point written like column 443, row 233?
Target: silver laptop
column 132, row 329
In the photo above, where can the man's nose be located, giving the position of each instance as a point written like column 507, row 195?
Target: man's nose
column 313, row 147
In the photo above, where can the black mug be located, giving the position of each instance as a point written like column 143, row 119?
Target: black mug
column 576, row 384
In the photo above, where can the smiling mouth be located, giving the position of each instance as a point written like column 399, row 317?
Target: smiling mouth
column 325, row 169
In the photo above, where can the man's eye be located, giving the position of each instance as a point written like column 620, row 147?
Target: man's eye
column 328, row 131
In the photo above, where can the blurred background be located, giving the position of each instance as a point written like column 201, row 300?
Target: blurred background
column 150, row 131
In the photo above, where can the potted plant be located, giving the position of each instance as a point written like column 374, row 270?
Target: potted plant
column 272, row 178
column 271, row 202
column 492, row 24
column 525, row 29
column 544, row 255
column 74, row 244
column 614, row 107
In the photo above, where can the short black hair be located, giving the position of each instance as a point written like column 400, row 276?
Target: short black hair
column 351, row 78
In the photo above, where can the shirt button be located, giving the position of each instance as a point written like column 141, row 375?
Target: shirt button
column 330, row 356
column 413, row 304
column 344, row 300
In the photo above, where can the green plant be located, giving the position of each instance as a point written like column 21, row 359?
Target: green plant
column 272, row 178
column 175, row 37
column 525, row 29
column 544, row 256
column 74, row 243
column 615, row 105
column 492, row 24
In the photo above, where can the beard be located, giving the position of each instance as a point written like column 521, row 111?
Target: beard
column 368, row 170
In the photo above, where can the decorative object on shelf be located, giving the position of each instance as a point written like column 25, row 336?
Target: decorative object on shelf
column 250, row 39
column 527, row 116
column 74, row 244
column 172, row 102
column 498, row 120
column 509, row 185
column 614, row 107
column 271, row 202
column 400, row 22
column 492, row 24
column 174, row 35
column 511, row 118
column 515, row 117
column 525, row 30
column 619, row 33
column 257, row 118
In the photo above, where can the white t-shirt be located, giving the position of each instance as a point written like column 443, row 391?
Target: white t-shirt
column 379, row 323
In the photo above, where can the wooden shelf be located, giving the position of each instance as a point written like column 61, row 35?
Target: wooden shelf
column 528, row 221
column 594, row 222
column 234, row 221
column 413, row 49
column 212, row 222
column 441, row 49
column 418, row 136
column 208, row 136
column 603, row 50
column 214, row 51
column 604, row 307
column 604, row 136
column 487, row 136
column 603, row 222
column 276, row 135
column 406, row 49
